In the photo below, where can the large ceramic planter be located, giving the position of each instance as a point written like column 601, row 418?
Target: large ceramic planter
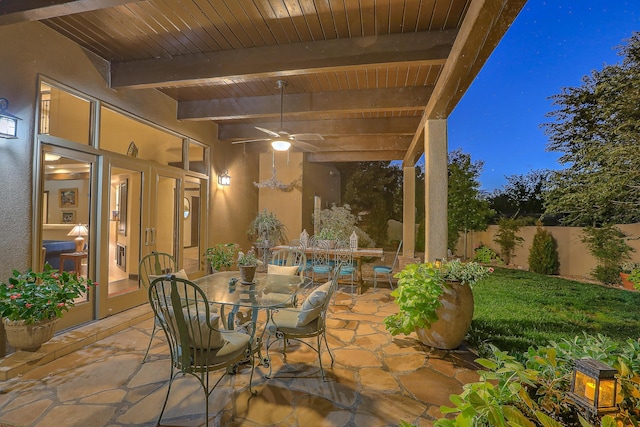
column 28, row 337
column 454, row 318
column 247, row 273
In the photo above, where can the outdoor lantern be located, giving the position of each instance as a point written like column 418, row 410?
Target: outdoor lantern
column 353, row 241
column 224, row 179
column 304, row 238
column 79, row 231
column 8, row 122
column 593, row 386
column 438, row 263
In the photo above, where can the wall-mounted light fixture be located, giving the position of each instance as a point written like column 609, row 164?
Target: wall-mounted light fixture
column 8, row 122
column 593, row 386
column 224, row 179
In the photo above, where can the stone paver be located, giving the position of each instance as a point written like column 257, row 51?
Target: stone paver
column 376, row 380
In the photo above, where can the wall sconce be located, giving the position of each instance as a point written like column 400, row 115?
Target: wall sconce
column 594, row 386
column 8, row 122
column 224, row 179
column 79, row 231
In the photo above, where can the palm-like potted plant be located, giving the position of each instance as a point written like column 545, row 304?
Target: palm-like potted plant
column 31, row 303
column 267, row 230
column 247, row 264
column 630, row 275
column 436, row 302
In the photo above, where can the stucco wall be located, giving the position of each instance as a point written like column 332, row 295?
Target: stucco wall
column 575, row 258
column 35, row 49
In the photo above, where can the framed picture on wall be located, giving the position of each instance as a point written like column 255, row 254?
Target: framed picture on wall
column 68, row 197
column 68, row 217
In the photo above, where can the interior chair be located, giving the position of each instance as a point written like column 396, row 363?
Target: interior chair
column 321, row 263
column 343, row 255
column 307, row 321
column 383, row 269
column 197, row 343
column 151, row 266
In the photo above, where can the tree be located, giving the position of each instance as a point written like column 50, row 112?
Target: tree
column 507, row 237
column 543, row 255
column 522, row 196
column 466, row 209
column 597, row 129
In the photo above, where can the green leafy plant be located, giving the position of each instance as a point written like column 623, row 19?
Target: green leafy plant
column 420, row 287
column 534, row 393
column 507, row 238
column 221, row 256
column 338, row 223
column 607, row 244
column 486, row 255
column 34, row 297
column 247, row 260
column 267, row 229
column 543, row 255
column 634, row 278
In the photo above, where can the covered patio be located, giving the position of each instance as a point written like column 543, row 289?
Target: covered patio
column 377, row 379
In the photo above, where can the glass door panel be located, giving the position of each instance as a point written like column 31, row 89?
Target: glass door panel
column 192, row 225
column 125, row 193
column 163, row 233
column 66, row 221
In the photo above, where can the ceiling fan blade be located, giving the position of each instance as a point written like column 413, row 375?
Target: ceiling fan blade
column 304, row 145
column 270, row 132
column 250, row 140
column 307, row 136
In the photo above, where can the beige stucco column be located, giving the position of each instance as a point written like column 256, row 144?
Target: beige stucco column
column 409, row 212
column 435, row 153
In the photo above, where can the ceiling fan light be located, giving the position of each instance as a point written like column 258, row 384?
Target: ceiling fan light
column 280, row 145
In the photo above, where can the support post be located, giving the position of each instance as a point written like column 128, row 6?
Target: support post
column 409, row 212
column 436, row 185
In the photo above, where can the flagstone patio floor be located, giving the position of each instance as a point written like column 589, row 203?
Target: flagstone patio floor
column 376, row 380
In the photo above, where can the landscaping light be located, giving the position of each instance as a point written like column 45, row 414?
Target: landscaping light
column 594, row 386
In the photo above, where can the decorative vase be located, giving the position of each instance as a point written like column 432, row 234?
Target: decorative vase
column 247, row 273
column 29, row 337
column 626, row 283
column 454, row 318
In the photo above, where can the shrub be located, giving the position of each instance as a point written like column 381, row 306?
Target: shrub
column 608, row 246
column 486, row 255
column 543, row 255
column 508, row 238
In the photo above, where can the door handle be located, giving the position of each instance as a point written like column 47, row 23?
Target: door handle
column 146, row 236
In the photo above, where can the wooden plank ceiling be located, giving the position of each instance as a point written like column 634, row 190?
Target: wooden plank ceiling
column 365, row 74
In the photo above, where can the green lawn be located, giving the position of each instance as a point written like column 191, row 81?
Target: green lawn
column 516, row 309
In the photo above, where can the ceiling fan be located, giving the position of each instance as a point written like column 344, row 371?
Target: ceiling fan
column 281, row 140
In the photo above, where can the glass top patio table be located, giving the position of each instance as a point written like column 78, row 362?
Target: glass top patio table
column 218, row 289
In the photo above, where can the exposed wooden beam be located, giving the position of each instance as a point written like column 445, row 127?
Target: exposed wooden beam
column 397, row 126
column 423, row 48
column 347, row 101
column 14, row 11
column 352, row 156
column 484, row 25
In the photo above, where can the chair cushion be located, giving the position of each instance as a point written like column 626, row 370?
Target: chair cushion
column 382, row 269
column 312, row 306
column 287, row 321
column 200, row 335
column 282, row 270
column 235, row 345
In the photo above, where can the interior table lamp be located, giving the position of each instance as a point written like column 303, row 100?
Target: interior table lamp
column 79, row 231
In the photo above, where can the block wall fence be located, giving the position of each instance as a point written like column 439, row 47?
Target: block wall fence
column 575, row 258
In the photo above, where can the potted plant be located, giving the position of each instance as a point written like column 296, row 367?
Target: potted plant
column 328, row 235
column 627, row 270
column 247, row 264
column 31, row 303
column 221, row 256
column 267, row 230
column 436, row 302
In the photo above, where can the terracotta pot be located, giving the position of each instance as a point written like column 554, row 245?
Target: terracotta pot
column 28, row 337
column 454, row 318
column 247, row 273
column 626, row 283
